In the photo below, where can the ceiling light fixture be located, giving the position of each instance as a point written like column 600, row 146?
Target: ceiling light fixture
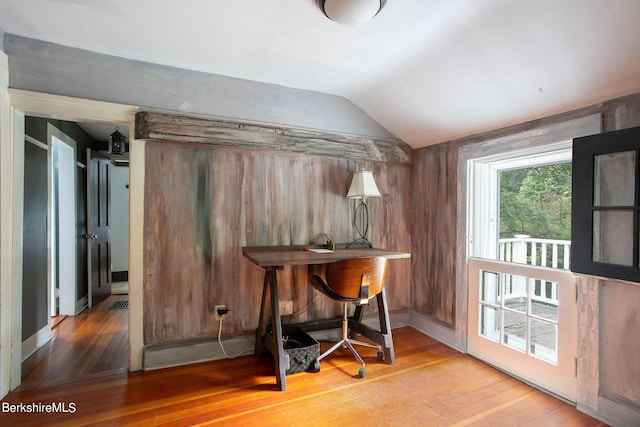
column 351, row 12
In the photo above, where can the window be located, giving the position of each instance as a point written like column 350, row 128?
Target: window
column 606, row 205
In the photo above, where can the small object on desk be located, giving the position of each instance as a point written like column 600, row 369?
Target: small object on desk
column 306, row 249
column 320, row 251
column 329, row 242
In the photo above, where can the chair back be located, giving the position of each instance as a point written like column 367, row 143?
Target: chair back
column 358, row 278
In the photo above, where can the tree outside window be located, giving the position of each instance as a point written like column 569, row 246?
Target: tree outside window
column 536, row 202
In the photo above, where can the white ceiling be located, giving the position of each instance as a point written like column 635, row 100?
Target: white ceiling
column 426, row 70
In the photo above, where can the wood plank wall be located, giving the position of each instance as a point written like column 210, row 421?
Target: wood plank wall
column 608, row 316
column 204, row 202
column 621, row 303
column 434, row 181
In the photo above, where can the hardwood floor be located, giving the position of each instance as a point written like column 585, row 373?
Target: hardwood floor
column 430, row 385
column 93, row 343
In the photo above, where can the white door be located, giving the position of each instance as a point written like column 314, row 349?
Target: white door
column 513, row 328
column 64, row 212
column 521, row 317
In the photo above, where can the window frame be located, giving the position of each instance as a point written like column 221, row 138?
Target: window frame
column 585, row 149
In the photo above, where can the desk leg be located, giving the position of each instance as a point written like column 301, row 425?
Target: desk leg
column 383, row 336
column 264, row 316
column 280, row 361
column 385, row 328
column 270, row 307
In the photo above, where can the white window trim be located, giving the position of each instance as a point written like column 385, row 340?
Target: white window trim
column 483, row 178
column 543, row 136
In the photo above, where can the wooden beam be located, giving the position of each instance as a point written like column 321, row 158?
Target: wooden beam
column 172, row 128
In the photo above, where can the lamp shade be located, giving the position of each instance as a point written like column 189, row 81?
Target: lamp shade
column 351, row 12
column 363, row 185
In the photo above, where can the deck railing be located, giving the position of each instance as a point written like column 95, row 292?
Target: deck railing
column 523, row 249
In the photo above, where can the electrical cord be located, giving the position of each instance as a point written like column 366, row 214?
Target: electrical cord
column 220, row 341
column 222, row 346
column 296, row 313
column 306, row 306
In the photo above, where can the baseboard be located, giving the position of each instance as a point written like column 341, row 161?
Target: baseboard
column 81, row 304
column 35, row 341
column 184, row 353
column 436, row 330
column 612, row 412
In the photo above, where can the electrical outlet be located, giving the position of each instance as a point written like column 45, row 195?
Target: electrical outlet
column 286, row 308
column 217, row 315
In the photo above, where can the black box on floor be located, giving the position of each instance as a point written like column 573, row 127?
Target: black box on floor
column 301, row 350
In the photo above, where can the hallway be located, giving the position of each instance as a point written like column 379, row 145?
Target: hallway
column 91, row 344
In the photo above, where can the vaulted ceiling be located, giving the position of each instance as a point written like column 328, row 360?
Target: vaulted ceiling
column 426, row 70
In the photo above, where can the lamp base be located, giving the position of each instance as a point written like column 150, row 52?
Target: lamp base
column 361, row 242
column 361, row 213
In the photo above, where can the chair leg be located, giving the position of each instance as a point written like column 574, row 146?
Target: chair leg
column 355, row 353
column 344, row 339
column 347, row 343
column 331, row 350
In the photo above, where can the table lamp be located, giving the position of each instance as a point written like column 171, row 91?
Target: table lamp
column 362, row 186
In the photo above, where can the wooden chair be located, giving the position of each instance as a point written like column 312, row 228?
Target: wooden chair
column 353, row 281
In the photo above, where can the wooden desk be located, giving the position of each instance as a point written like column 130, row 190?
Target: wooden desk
column 272, row 258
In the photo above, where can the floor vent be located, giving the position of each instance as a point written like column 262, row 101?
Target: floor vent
column 117, row 305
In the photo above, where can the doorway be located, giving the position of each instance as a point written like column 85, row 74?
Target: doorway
column 521, row 307
column 119, row 193
column 66, row 273
column 21, row 102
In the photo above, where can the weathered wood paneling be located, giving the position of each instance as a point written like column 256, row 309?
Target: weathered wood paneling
column 243, row 135
column 588, row 378
column 621, row 113
column 619, row 314
column 433, row 222
column 604, row 351
column 204, row 203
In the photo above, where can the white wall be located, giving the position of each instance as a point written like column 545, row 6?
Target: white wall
column 51, row 68
column 119, row 218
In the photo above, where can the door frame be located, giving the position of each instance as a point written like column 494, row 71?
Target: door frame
column 483, row 217
column 13, row 109
column 536, row 137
